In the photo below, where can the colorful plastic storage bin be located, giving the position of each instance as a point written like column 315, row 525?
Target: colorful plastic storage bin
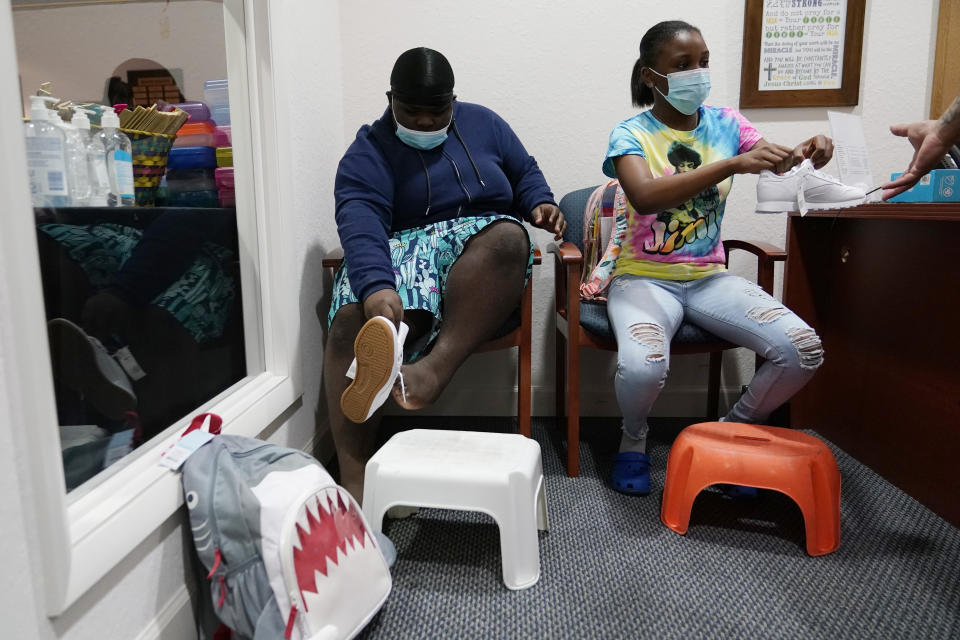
column 197, row 111
column 215, row 92
column 221, row 137
column 217, row 97
column 196, row 134
column 192, row 158
column 224, row 156
column 224, row 177
column 191, row 180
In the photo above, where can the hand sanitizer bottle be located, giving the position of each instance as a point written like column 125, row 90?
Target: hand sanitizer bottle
column 46, row 158
column 76, row 156
column 96, row 157
column 119, row 152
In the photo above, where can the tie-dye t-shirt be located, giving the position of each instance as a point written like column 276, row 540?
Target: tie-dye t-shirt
column 681, row 243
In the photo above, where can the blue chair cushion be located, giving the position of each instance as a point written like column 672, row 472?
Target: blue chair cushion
column 593, row 318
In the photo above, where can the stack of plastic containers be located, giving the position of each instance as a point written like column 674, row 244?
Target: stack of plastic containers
column 190, row 167
column 216, row 94
column 224, row 172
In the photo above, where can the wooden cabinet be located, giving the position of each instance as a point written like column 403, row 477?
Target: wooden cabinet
column 880, row 284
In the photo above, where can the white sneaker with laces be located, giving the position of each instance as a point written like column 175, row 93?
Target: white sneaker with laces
column 379, row 355
column 804, row 184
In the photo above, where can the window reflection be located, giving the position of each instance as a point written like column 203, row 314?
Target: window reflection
column 143, row 301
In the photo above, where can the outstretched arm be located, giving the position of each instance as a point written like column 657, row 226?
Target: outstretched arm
column 931, row 139
column 650, row 195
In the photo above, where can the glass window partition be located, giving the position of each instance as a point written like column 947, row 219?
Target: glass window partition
column 135, row 217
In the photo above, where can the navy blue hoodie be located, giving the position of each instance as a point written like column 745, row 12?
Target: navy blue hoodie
column 384, row 186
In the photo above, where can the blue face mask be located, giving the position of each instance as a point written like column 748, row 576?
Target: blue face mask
column 686, row 90
column 423, row 140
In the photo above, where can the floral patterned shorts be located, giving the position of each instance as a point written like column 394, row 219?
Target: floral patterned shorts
column 422, row 257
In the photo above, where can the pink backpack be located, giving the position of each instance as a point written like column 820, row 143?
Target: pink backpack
column 604, row 227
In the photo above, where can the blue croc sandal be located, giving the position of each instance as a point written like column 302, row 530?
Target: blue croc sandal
column 631, row 473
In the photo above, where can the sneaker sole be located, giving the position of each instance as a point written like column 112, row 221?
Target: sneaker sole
column 786, row 206
column 846, row 204
column 76, row 362
column 776, row 206
column 374, row 349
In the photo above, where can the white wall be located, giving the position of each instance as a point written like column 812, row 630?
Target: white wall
column 308, row 68
column 559, row 73
column 184, row 34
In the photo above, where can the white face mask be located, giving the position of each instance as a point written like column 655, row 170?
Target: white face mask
column 686, row 90
column 423, row 140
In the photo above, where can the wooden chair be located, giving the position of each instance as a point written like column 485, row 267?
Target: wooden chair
column 584, row 323
column 517, row 332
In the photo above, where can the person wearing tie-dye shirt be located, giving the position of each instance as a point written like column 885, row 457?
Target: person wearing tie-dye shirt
column 675, row 163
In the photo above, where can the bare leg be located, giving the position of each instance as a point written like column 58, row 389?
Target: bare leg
column 484, row 286
column 354, row 442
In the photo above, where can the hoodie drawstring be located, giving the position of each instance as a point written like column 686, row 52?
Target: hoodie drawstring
column 426, row 173
column 456, row 132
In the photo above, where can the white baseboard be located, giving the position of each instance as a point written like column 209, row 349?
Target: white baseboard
column 174, row 621
column 674, row 402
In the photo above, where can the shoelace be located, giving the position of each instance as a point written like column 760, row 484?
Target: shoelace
column 811, row 171
column 824, row 176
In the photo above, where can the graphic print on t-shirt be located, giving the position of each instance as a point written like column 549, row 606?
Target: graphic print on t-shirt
column 694, row 221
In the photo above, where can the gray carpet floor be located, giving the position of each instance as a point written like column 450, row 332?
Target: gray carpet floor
column 610, row 569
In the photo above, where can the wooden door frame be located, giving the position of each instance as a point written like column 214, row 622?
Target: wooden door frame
column 946, row 70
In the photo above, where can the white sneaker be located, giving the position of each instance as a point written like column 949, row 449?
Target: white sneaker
column 804, row 184
column 379, row 355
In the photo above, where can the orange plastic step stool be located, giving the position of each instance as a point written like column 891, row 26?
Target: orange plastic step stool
column 791, row 462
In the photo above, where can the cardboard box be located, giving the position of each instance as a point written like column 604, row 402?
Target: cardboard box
column 940, row 185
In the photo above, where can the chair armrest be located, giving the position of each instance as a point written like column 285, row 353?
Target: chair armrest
column 333, row 259
column 566, row 252
column 760, row 249
column 767, row 254
column 566, row 276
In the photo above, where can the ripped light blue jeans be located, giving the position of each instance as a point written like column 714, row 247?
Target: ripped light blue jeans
column 646, row 312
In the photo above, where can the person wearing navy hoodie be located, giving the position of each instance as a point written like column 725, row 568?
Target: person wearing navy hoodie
column 430, row 201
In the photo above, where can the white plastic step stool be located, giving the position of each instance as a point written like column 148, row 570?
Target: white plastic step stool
column 499, row 474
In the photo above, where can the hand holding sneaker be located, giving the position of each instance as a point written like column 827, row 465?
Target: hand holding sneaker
column 804, row 187
column 379, row 356
column 818, row 149
column 764, row 156
column 768, row 156
column 385, row 303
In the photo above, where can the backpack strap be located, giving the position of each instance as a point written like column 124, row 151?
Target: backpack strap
column 216, row 423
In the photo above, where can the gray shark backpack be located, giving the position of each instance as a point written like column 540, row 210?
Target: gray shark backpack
column 287, row 551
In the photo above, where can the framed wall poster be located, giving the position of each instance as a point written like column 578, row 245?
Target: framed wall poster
column 801, row 53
